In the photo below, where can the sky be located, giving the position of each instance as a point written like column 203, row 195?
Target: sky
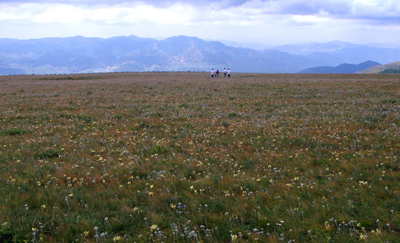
column 268, row 22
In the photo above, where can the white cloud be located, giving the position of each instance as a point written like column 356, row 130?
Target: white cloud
column 238, row 20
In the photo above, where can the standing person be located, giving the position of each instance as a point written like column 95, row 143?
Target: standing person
column 212, row 73
column 229, row 72
column 217, row 73
column 224, row 72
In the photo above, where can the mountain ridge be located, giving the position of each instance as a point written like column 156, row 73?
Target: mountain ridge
column 177, row 53
column 342, row 68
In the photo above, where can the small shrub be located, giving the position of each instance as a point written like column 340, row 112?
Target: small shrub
column 159, row 149
column 232, row 115
column 8, row 234
column 84, row 118
column 389, row 101
column 158, row 114
column 185, row 106
column 50, row 153
column 15, row 131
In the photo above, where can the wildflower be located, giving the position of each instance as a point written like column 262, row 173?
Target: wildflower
column 234, row 237
column 153, row 227
column 118, row 238
column 86, row 233
column 43, row 207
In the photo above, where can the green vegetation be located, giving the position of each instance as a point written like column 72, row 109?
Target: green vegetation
column 391, row 70
column 387, row 68
column 177, row 157
column 14, row 131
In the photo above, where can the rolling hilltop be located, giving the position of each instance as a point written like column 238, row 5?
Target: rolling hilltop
column 343, row 68
column 179, row 53
column 382, row 68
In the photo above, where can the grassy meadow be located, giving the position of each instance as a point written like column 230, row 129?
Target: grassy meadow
column 181, row 157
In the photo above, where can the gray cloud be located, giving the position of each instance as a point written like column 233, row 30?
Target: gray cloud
column 315, row 7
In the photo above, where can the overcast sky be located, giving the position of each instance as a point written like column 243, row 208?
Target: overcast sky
column 269, row 22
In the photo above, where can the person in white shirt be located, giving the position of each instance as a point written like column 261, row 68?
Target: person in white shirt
column 229, row 72
column 212, row 73
column 224, row 72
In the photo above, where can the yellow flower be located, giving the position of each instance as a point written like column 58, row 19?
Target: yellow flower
column 153, row 227
column 118, row 238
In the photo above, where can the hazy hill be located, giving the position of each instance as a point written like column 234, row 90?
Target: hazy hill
column 380, row 68
column 179, row 53
column 336, row 52
column 342, row 68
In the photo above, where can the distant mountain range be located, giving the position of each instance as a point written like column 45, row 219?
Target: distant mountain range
column 335, row 52
column 342, row 68
column 179, row 53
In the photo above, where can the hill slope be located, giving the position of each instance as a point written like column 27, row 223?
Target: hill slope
column 380, row 68
column 343, row 68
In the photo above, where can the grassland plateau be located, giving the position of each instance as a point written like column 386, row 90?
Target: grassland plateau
column 181, row 157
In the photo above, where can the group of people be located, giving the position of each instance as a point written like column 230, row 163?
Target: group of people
column 217, row 73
